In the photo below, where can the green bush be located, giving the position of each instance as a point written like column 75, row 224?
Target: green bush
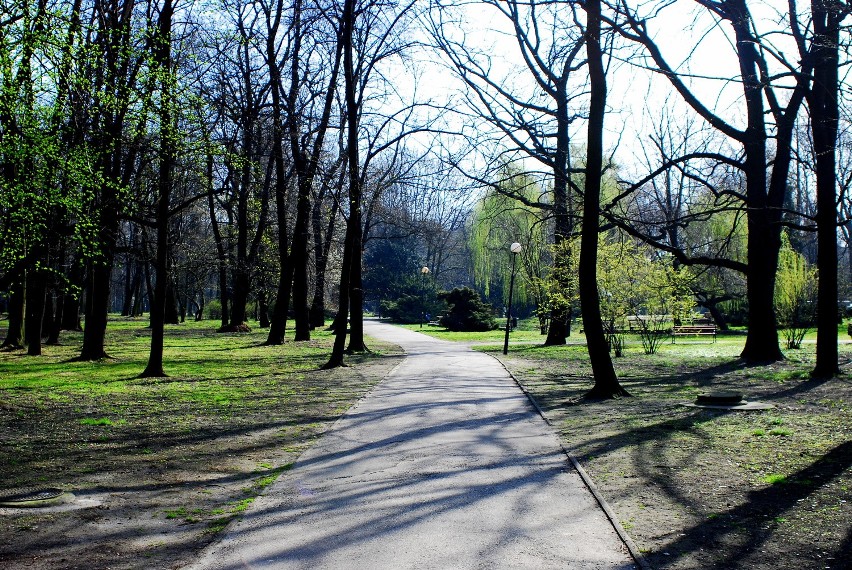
column 213, row 308
column 467, row 311
column 411, row 308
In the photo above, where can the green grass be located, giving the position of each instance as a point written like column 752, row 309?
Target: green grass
column 68, row 413
column 726, row 474
column 728, row 345
column 96, row 422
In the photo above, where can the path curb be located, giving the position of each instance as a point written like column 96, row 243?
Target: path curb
column 640, row 559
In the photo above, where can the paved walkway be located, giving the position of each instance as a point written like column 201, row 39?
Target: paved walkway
column 445, row 464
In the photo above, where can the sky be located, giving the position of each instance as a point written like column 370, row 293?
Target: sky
column 694, row 43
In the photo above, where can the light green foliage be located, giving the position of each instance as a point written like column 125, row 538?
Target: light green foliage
column 559, row 287
column 636, row 283
column 501, row 219
column 615, row 283
column 42, row 175
column 795, row 294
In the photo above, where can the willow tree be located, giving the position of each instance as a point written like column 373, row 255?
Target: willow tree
column 499, row 219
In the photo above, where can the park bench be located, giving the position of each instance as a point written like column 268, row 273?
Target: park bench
column 636, row 323
column 693, row 330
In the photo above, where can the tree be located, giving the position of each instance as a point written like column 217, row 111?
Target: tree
column 557, row 284
column 466, row 311
column 822, row 100
column 499, row 220
column 113, row 69
column 764, row 195
column 305, row 131
column 378, row 39
column 606, row 382
column 795, row 295
column 350, row 271
column 528, row 122
column 163, row 69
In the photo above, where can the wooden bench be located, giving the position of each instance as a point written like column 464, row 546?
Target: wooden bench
column 693, row 330
column 637, row 323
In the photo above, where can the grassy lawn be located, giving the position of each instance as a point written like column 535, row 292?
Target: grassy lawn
column 166, row 463
column 171, row 460
column 700, row 488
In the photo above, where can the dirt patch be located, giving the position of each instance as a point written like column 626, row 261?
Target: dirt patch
column 154, row 487
column 699, row 488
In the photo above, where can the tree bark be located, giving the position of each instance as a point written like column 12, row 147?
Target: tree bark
column 352, row 245
column 221, row 252
column 15, row 334
column 606, row 382
column 823, row 104
column 278, row 320
column 97, row 307
column 168, row 135
column 558, row 330
column 35, row 295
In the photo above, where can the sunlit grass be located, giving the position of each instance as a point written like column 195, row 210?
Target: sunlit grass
column 55, row 406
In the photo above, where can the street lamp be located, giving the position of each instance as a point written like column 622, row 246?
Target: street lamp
column 515, row 248
column 424, row 271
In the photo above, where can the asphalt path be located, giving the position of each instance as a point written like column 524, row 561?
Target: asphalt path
column 445, row 464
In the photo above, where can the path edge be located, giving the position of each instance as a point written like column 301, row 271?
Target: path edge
column 638, row 557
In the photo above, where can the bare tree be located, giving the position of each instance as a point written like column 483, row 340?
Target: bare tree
column 822, row 100
column 530, row 122
column 606, row 382
column 162, row 62
column 309, row 104
column 766, row 116
column 370, row 33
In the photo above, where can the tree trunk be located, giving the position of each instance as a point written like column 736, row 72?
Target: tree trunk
column 356, row 290
column 239, row 302
column 48, row 316
column 15, row 335
column 353, row 225
column 558, row 330
column 172, row 314
column 764, row 243
column 168, row 152
column 35, row 295
column 322, row 248
column 606, row 382
column 278, row 320
column 97, row 308
column 55, row 326
column 221, row 253
column 823, row 104
column 127, row 305
column 262, row 310
column 764, row 229
column 71, row 302
column 299, row 261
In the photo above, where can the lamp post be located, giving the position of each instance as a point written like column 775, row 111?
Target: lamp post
column 424, row 271
column 515, row 248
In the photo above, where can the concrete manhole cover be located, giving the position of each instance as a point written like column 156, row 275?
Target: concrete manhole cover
column 35, row 498
column 726, row 401
column 720, row 399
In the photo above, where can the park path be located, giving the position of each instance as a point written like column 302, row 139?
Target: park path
column 445, row 464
